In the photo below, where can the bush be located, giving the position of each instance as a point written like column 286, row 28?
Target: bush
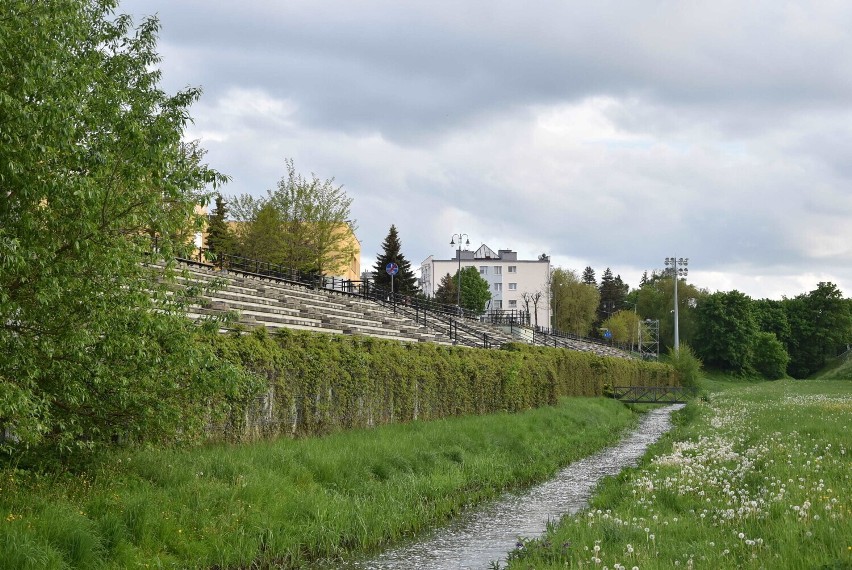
column 687, row 365
column 770, row 357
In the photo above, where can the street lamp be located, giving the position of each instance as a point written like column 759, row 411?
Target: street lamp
column 678, row 269
column 458, row 254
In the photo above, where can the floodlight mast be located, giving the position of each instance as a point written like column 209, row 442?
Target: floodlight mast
column 678, row 268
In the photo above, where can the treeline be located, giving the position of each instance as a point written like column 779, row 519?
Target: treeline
column 729, row 331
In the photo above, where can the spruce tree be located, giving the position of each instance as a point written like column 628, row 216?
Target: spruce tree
column 613, row 291
column 219, row 238
column 446, row 292
column 589, row 277
column 404, row 281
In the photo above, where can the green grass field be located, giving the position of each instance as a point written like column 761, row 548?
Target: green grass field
column 286, row 502
column 756, row 475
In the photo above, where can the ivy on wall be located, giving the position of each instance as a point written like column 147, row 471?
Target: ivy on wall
column 319, row 383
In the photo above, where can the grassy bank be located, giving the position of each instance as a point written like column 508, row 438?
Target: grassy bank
column 757, row 476
column 288, row 501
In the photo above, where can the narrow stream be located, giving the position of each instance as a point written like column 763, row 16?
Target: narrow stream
column 486, row 534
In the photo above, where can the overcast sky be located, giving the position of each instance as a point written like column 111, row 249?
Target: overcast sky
column 608, row 134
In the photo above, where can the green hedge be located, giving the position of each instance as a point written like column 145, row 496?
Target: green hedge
column 319, row 383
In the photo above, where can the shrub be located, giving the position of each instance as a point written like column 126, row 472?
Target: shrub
column 770, row 357
column 687, row 365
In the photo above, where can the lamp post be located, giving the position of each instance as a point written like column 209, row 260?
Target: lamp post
column 678, row 268
column 458, row 255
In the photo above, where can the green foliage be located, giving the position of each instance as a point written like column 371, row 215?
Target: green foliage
column 573, row 302
column 323, row 383
column 727, row 331
column 624, row 326
column 475, row 291
column 403, row 282
column 655, row 300
column 820, row 327
column 771, row 317
column 612, row 294
column 92, row 167
column 220, row 239
column 687, row 365
column 303, row 224
column 447, row 291
column 261, row 237
column 770, row 358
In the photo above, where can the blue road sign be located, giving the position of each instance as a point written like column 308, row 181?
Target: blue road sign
column 392, row 268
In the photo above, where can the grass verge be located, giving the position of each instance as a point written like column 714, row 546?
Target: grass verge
column 756, row 475
column 287, row 502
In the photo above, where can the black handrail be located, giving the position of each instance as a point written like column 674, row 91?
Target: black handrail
column 446, row 319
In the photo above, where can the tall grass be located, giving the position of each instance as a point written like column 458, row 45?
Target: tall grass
column 757, row 476
column 287, row 502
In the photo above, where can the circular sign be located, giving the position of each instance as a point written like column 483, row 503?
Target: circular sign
column 392, row 268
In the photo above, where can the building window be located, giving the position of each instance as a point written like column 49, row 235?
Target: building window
column 513, row 269
column 513, row 304
column 498, row 287
column 498, row 304
column 513, row 286
column 483, row 270
column 498, row 270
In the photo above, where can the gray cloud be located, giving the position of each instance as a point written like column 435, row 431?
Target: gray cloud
column 600, row 133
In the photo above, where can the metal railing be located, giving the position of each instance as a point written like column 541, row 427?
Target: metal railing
column 445, row 319
column 654, row 394
column 458, row 324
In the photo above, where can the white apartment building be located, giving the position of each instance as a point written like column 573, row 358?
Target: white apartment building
column 509, row 278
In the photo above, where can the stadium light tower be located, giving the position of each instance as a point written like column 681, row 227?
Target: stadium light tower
column 678, row 268
column 458, row 254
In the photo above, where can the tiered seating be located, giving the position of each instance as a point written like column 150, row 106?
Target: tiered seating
column 255, row 301
column 274, row 304
column 581, row 345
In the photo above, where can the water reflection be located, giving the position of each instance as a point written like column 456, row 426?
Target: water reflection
column 478, row 538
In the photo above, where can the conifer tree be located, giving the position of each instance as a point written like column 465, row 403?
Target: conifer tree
column 613, row 291
column 220, row 240
column 446, row 292
column 404, row 281
column 589, row 276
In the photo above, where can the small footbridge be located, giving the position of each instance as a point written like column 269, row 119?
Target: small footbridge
column 654, row 394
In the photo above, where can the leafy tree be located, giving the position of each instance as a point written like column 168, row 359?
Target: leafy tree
column 313, row 230
column 574, row 303
column 820, row 325
column 771, row 316
column 727, row 330
column 589, row 276
column 92, row 167
column 220, row 240
column 404, row 281
column 770, row 357
column 446, row 292
column 624, row 326
column 475, row 291
column 262, row 238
